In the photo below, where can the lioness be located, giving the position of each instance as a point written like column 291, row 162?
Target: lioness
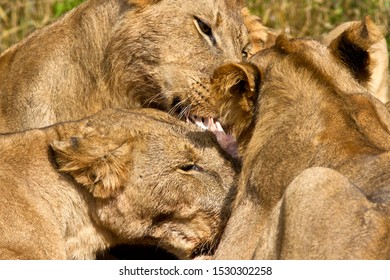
column 315, row 147
column 118, row 177
column 121, row 54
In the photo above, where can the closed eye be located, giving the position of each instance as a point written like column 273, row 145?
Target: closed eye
column 205, row 30
column 191, row 167
column 245, row 52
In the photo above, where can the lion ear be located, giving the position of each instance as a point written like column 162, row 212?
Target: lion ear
column 352, row 46
column 239, row 80
column 102, row 168
column 234, row 91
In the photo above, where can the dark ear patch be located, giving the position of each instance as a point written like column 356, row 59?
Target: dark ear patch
column 351, row 47
column 354, row 57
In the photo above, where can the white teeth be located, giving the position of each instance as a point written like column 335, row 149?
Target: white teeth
column 206, row 123
column 199, row 122
column 219, row 126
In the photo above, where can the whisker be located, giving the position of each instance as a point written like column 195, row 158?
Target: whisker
column 161, row 240
column 153, row 98
column 185, row 112
column 177, row 106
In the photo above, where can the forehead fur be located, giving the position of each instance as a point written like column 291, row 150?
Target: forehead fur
column 314, row 60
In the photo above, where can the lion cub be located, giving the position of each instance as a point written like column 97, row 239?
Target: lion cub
column 119, row 177
column 315, row 145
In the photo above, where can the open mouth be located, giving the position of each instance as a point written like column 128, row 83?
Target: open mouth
column 227, row 142
column 206, row 123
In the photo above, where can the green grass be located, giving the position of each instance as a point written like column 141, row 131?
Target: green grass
column 300, row 18
column 62, row 7
column 18, row 18
column 316, row 17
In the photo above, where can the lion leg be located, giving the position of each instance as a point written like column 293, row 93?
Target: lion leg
column 324, row 216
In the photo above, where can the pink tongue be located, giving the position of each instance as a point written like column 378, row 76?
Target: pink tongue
column 227, row 142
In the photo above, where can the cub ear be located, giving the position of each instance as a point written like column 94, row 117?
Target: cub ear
column 352, row 47
column 102, row 168
column 234, row 91
column 237, row 80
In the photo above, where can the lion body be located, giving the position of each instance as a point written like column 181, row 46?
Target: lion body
column 314, row 181
column 74, row 189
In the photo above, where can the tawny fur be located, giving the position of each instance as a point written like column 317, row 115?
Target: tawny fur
column 260, row 36
column 74, row 189
column 119, row 54
column 314, row 182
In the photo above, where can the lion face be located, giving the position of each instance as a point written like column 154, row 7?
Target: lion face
column 166, row 48
column 123, row 54
column 185, row 196
column 167, row 185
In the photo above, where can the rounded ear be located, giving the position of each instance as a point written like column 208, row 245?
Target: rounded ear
column 240, row 80
column 234, row 91
column 352, row 47
column 103, row 169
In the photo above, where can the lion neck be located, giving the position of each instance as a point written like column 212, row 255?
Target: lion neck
column 298, row 127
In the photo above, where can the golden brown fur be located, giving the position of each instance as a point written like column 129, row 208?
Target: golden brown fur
column 314, row 182
column 379, row 63
column 119, row 177
column 260, row 36
column 121, row 54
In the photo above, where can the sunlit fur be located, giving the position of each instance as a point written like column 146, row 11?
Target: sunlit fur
column 118, row 54
column 75, row 189
column 314, row 182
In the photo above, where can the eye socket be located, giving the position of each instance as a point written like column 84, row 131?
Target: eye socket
column 191, row 167
column 244, row 54
column 205, row 29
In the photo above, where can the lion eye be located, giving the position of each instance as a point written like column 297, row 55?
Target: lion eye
column 244, row 55
column 204, row 27
column 245, row 52
column 191, row 167
column 205, row 30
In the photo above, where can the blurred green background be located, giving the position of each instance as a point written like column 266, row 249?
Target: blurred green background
column 300, row 18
